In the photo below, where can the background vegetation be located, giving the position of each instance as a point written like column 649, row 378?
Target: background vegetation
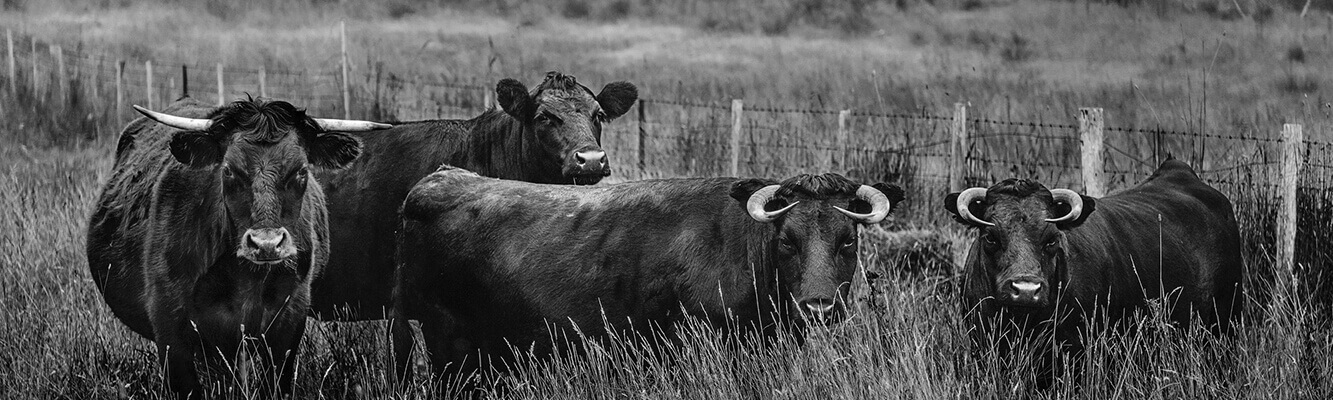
column 1234, row 68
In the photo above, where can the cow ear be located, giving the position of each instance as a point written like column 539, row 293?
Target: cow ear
column 196, row 149
column 742, row 189
column 333, row 149
column 951, row 204
column 895, row 194
column 1089, row 205
column 514, row 98
column 616, row 98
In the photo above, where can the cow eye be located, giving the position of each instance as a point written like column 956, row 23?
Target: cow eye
column 849, row 243
column 1052, row 243
column 548, row 117
column 787, row 246
column 298, row 177
column 990, row 240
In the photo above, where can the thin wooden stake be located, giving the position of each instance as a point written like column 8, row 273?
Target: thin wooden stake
column 347, row 97
column 263, row 85
column 1090, row 130
column 185, row 81
column 32, row 56
column 958, row 148
column 148, row 76
column 222, row 97
column 736, row 108
column 13, row 72
column 843, row 130
column 120, row 92
column 62, row 82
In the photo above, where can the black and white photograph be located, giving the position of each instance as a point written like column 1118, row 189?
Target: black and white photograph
column 666, row 199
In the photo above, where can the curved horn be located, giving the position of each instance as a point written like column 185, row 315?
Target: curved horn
column 879, row 206
column 349, row 125
column 1075, row 204
column 965, row 199
column 760, row 198
column 189, row 124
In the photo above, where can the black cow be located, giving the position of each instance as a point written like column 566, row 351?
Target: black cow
column 212, row 226
column 548, row 135
column 1044, row 259
column 489, row 263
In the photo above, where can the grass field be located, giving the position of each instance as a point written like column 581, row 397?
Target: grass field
column 1172, row 66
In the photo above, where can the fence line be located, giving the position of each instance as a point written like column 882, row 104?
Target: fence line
column 680, row 136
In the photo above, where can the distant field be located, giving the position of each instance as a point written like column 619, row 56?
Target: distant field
column 1178, row 67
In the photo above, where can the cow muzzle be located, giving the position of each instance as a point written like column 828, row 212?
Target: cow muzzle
column 266, row 245
column 1025, row 291
column 588, row 166
column 821, row 311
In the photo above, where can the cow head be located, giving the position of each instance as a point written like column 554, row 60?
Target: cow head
column 1021, row 246
column 562, row 122
column 261, row 154
column 814, row 247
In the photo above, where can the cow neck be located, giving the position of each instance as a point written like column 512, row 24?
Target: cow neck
column 501, row 149
column 197, row 215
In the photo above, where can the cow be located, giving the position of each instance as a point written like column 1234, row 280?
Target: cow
column 488, row 263
column 1049, row 261
column 548, row 135
column 212, row 226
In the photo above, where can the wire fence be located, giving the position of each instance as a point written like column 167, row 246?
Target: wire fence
column 679, row 135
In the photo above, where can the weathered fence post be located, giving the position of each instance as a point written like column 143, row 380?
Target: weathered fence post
column 222, row 92
column 61, row 82
column 185, row 81
column 736, row 108
column 32, row 57
column 1293, row 157
column 643, row 137
column 843, row 117
column 263, row 86
column 13, row 73
column 1090, row 130
column 120, row 92
column 347, row 99
column 148, row 83
column 958, row 148
column 486, row 99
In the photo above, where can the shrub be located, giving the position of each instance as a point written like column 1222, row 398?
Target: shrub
column 1296, row 54
column 616, row 10
column 1016, row 49
column 1298, row 83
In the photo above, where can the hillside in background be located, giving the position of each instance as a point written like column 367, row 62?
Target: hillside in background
column 1189, row 65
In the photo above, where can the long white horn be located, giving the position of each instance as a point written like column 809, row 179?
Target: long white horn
column 1075, row 204
column 965, row 199
column 349, row 125
column 760, row 198
column 879, row 206
column 189, row 124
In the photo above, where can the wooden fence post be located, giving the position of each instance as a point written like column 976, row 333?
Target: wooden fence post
column 120, row 92
column 736, row 108
column 643, row 137
column 843, row 117
column 1090, row 130
column 347, row 99
column 487, row 99
column 185, row 81
column 61, row 81
column 222, row 93
column 958, row 148
column 1293, row 157
column 32, row 56
column 148, row 76
column 263, row 86
column 13, row 73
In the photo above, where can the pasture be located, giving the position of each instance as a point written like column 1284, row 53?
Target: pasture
column 905, row 337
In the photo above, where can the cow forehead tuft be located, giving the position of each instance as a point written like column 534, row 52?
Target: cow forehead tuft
column 261, row 121
column 817, row 186
column 1019, row 188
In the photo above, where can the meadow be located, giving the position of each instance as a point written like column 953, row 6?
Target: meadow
column 1177, row 65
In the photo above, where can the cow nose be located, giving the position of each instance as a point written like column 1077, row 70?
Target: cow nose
column 265, row 240
column 822, row 310
column 1026, row 290
column 591, row 161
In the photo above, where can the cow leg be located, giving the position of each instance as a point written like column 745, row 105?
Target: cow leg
column 403, row 343
column 453, row 356
column 177, row 362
